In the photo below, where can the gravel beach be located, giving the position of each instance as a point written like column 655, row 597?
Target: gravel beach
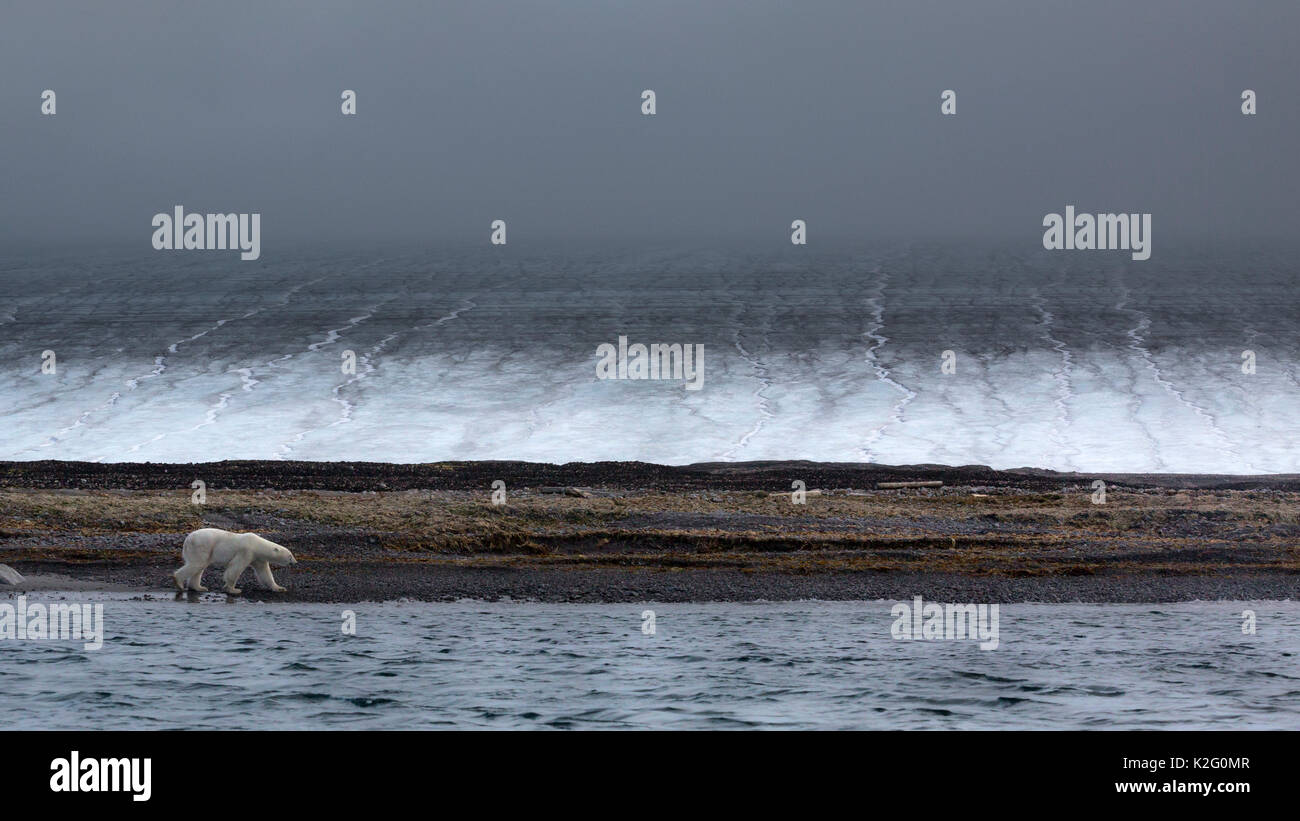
column 639, row 532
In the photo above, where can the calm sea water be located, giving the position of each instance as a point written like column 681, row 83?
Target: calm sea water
column 213, row 664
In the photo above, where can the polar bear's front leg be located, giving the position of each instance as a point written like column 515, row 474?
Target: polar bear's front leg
column 238, row 564
column 263, row 570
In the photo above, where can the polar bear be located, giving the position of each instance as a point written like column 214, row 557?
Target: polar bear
column 236, row 551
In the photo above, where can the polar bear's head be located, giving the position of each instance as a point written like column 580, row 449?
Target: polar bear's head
column 281, row 556
column 272, row 552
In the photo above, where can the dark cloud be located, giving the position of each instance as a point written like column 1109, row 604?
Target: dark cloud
column 529, row 111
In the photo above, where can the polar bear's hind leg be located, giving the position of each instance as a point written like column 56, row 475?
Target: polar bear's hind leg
column 196, row 554
column 191, row 576
column 234, row 570
column 196, row 579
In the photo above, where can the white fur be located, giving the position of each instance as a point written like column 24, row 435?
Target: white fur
column 234, row 551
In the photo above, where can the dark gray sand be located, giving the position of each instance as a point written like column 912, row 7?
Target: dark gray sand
column 330, row 582
column 633, row 532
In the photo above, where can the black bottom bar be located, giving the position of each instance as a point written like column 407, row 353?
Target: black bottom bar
column 311, row 770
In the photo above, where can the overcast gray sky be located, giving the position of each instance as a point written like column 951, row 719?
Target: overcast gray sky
column 530, row 112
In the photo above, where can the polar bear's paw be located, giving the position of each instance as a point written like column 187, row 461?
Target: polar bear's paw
column 234, row 591
column 185, row 580
column 279, row 589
